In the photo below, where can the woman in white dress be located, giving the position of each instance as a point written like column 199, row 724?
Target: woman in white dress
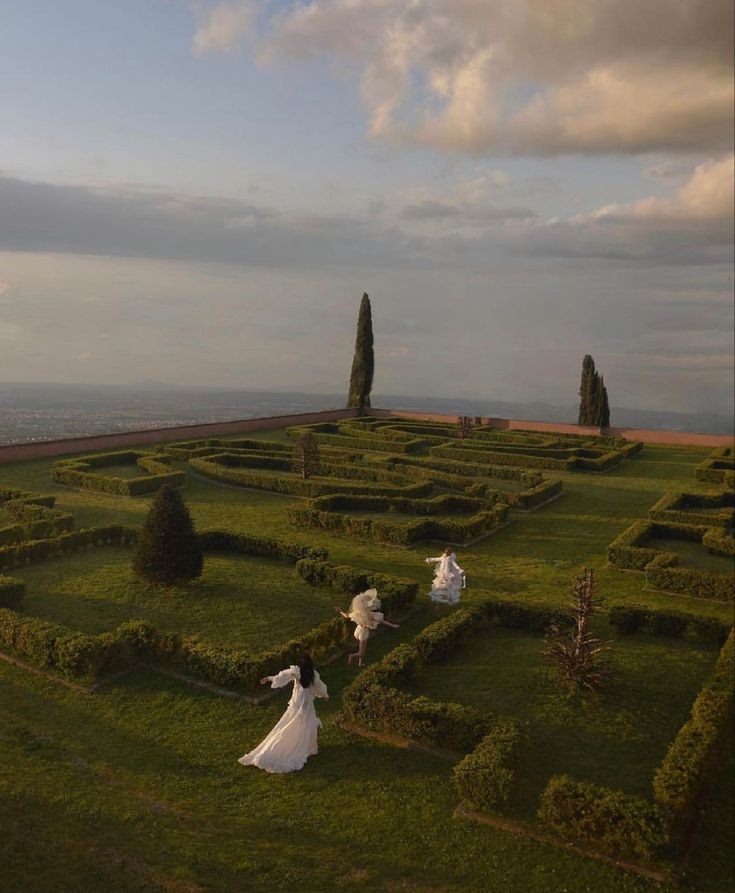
column 365, row 614
column 294, row 737
column 449, row 578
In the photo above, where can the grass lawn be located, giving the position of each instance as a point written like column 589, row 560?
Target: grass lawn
column 137, row 787
column 693, row 554
column 239, row 601
column 124, row 470
column 593, row 738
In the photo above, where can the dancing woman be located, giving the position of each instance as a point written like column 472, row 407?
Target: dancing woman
column 365, row 614
column 294, row 737
column 449, row 578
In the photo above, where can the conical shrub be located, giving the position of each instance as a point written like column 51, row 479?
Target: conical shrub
column 168, row 550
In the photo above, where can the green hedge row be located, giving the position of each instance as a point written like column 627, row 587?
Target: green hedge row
column 33, row 522
column 374, row 702
column 75, row 473
column 689, row 581
column 317, row 486
column 629, row 618
column 629, row 550
column 64, row 544
column 400, row 533
column 11, row 592
column 396, row 593
column 52, row 646
column 717, row 468
column 445, row 504
column 622, row 824
column 191, row 449
column 485, row 778
column 719, row 542
column 492, row 457
column 362, row 442
column 678, row 780
column 8, row 494
column 672, row 508
column 245, row 544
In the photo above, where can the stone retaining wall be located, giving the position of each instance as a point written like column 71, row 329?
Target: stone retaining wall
column 73, row 445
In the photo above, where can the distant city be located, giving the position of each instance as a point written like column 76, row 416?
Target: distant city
column 33, row 412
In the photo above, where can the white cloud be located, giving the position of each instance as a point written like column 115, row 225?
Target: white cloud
column 222, row 27
column 4, row 287
column 528, row 77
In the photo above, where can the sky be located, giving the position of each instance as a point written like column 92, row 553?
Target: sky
column 199, row 193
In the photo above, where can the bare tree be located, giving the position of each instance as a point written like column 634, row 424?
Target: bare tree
column 308, row 462
column 578, row 654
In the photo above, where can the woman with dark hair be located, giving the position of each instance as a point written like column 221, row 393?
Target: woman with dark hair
column 294, row 737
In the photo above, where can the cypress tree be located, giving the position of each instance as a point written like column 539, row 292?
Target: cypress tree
column 587, row 391
column 363, row 363
column 168, row 550
column 603, row 410
column 308, row 462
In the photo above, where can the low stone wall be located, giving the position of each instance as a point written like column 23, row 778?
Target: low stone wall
column 74, row 445
column 69, row 446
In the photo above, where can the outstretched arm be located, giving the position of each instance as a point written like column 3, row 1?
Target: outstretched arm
column 281, row 679
column 433, row 560
column 343, row 613
column 391, row 625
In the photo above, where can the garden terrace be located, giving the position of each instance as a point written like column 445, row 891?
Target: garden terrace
column 151, row 759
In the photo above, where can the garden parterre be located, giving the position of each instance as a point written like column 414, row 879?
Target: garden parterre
column 143, row 774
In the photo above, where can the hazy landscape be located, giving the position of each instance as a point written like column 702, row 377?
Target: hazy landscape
column 30, row 412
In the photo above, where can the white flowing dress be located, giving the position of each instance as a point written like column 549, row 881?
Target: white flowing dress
column 449, row 579
column 294, row 737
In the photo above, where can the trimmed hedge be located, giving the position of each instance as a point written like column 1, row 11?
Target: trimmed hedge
column 678, row 780
column 719, row 542
column 33, row 522
column 39, row 550
column 491, row 457
column 11, row 591
column 245, row 544
column 57, row 647
column 690, row 581
column 629, row 550
column 331, row 433
column 629, row 618
column 8, row 494
column 672, row 508
column 400, row 533
column 717, row 468
column 76, row 473
column 374, row 702
column 317, row 486
column 622, row 824
column 396, row 593
column 484, row 778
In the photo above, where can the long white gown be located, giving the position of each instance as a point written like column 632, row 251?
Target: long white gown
column 294, row 737
column 449, row 579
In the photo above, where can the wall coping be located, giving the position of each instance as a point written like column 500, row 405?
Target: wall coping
column 17, row 452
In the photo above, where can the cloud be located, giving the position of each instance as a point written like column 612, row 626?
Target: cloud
column 429, row 210
column 222, row 27
column 525, row 77
column 45, row 217
column 693, row 226
column 4, row 287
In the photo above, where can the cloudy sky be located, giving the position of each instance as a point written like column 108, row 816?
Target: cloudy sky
column 199, row 192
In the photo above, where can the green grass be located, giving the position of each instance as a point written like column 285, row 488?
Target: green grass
column 239, row 601
column 593, row 738
column 124, row 470
column 137, row 787
column 693, row 555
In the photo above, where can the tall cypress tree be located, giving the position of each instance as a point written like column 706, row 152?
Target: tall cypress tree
column 363, row 363
column 587, row 391
column 594, row 408
column 603, row 412
column 168, row 550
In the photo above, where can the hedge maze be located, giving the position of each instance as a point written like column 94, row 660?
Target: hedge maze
column 97, row 472
column 718, row 468
column 88, row 658
column 490, row 749
column 621, row 775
